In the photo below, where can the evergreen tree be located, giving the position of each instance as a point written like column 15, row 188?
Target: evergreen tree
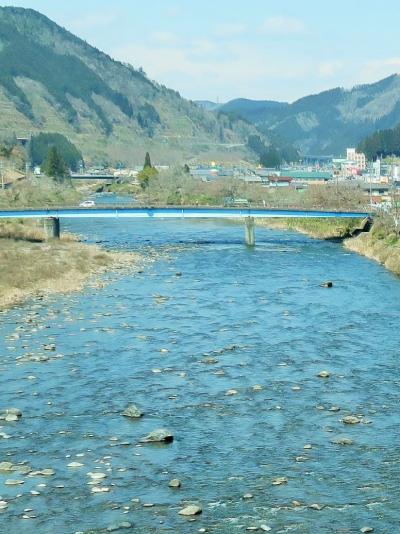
column 54, row 165
column 40, row 144
column 270, row 158
column 147, row 162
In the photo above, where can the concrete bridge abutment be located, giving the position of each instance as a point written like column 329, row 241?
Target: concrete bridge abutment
column 249, row 233
column 52, row 227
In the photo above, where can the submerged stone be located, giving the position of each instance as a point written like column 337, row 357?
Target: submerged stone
column 316, row 506
column 280, row 480
column 341, row 440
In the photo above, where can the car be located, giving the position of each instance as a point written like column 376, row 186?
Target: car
column 87, row 204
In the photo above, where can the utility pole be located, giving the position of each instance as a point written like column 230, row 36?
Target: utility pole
column 2, row 174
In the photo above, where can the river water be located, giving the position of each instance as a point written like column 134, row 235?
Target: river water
column 174, row 346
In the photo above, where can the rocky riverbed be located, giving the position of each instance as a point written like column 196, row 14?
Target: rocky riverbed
column 220, row 390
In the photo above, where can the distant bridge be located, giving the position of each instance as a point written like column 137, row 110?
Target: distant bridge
column 76, row 176
column 52, row 216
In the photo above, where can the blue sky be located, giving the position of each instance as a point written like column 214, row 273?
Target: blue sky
column 223, row 49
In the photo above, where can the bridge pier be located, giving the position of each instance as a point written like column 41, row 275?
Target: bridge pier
column 249, row 233
column 52, row 227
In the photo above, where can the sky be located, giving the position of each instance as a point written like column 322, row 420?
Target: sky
column 223, row 49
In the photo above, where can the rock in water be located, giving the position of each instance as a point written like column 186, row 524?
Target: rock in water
column 351, row 420
column 341, row 440
column 324, row 374
column 279, row 481
column 133, row 412
column 6, row 466
column 10, row 414
column 175, row 483
column 161, row 435
column 191, row 510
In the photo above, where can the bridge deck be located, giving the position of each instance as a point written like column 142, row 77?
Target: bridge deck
column 174, row 213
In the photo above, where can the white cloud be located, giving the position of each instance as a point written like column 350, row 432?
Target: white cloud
column 284, row 26
column 198, row 67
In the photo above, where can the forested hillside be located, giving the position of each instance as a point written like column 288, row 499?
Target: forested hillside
column 382, row 143
column 52, row 81
column 328, row 122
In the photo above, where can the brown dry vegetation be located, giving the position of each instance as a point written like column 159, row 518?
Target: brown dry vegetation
column 382, row 244
column 30, row 269
column 38, row 193
column 317, row 228
column 32, row 266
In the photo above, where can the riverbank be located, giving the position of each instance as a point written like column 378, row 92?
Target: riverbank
column 32, row 267
column 380, row 244
column 316, row 228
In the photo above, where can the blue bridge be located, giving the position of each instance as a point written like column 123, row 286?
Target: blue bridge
column 52, row 216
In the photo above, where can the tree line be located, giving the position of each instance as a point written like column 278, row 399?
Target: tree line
column 381, row 144
column 271, row 156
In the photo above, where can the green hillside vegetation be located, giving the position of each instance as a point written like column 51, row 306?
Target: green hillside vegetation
column 272, row 156
column 62, row 75
column 52, row 81
column 382, row 143
column 252, row 110
column 41, row 144
column 328, row 122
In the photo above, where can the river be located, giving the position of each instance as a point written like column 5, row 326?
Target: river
column 208, row 316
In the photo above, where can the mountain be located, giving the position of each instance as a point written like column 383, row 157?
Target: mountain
column 253, row 110
column 207, row 104
column 328, row 122
column 52, row 81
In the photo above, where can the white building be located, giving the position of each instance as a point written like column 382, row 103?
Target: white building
column 358, row 158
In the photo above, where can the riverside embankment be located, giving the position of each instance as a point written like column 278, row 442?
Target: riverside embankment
column 34, row 267
column 380, row 243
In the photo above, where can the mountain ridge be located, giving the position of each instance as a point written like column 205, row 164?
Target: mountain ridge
column 53, row 81
column 328, row 121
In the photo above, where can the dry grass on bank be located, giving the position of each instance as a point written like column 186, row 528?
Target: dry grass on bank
column 379, row 245
column 31, row 267
column 28, row 230
column 317, row 228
